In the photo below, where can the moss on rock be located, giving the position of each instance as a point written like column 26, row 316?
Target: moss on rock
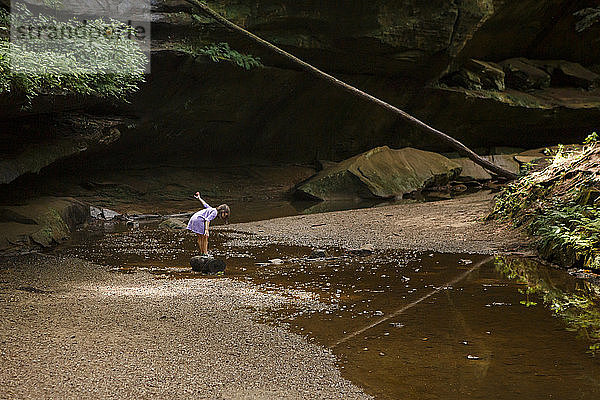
column 381, row 173
column 43, row 222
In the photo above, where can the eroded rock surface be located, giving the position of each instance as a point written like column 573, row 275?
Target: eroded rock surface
column 394, row 50
column 40, row 223
column 522, row 75
column 69, row 136
column 380, row 172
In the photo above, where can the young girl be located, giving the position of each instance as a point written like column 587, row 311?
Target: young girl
column 200, row 222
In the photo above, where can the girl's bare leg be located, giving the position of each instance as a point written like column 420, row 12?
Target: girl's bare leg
column 203, row 244
column 200, row 246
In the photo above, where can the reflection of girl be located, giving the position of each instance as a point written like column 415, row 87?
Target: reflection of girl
column 201, row 220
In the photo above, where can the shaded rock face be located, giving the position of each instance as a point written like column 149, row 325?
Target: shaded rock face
column 476, row 74
column 414, row 37
column 392, row 50
column 228, row 115
column 570, row 74
column 537, row 30
column 28, row 146
column 380, row 172
column 216, row 113
column 522, row 75
column 410, row 37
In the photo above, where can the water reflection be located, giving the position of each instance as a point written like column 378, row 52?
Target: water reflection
column 575, row 301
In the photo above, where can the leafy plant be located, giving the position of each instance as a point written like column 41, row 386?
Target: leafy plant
column 588, row 17
column 110, row 66
column 558, row 205
column 591, row 138
column 223, row 52
column 527, row 302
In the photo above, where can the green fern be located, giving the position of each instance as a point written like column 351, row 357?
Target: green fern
column 588, row 17
column 558, row 206
column 222, row 52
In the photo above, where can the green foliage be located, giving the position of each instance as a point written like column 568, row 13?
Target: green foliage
column 591, row 138
column 222, row 52
column 569, row 228
column 4, row 24
column 558, row 206
column 587, row 18
column 29, row 73
column 527, row 302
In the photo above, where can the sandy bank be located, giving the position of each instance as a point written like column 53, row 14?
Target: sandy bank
column 72, row 329
column 456, row 226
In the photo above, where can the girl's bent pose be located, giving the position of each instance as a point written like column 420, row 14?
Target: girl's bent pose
column 200, row 221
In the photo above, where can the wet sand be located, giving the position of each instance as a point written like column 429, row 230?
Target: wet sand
column 450, row 226
column 71, row 329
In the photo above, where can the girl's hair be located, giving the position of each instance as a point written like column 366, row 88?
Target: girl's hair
column 224, row 208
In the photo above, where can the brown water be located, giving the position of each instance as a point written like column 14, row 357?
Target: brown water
column 397, row 326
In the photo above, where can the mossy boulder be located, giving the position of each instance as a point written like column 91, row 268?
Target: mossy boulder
column 43, row 222
column 472, row 171
column 172, row 224
column 380, row 173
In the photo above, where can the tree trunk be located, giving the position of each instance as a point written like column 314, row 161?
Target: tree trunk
column 461, row 148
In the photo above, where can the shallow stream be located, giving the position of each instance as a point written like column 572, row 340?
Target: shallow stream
column 403, row 325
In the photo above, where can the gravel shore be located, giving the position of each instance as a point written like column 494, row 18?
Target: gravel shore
column 450, row 226
column 72, row 329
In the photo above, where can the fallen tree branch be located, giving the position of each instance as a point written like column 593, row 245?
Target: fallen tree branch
column 461, row 148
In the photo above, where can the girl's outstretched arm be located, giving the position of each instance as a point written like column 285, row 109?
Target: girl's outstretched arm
column 197, row 196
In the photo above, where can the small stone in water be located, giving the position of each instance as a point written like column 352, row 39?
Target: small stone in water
column 378, row 313
column 318, row 253
column 381, row 353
